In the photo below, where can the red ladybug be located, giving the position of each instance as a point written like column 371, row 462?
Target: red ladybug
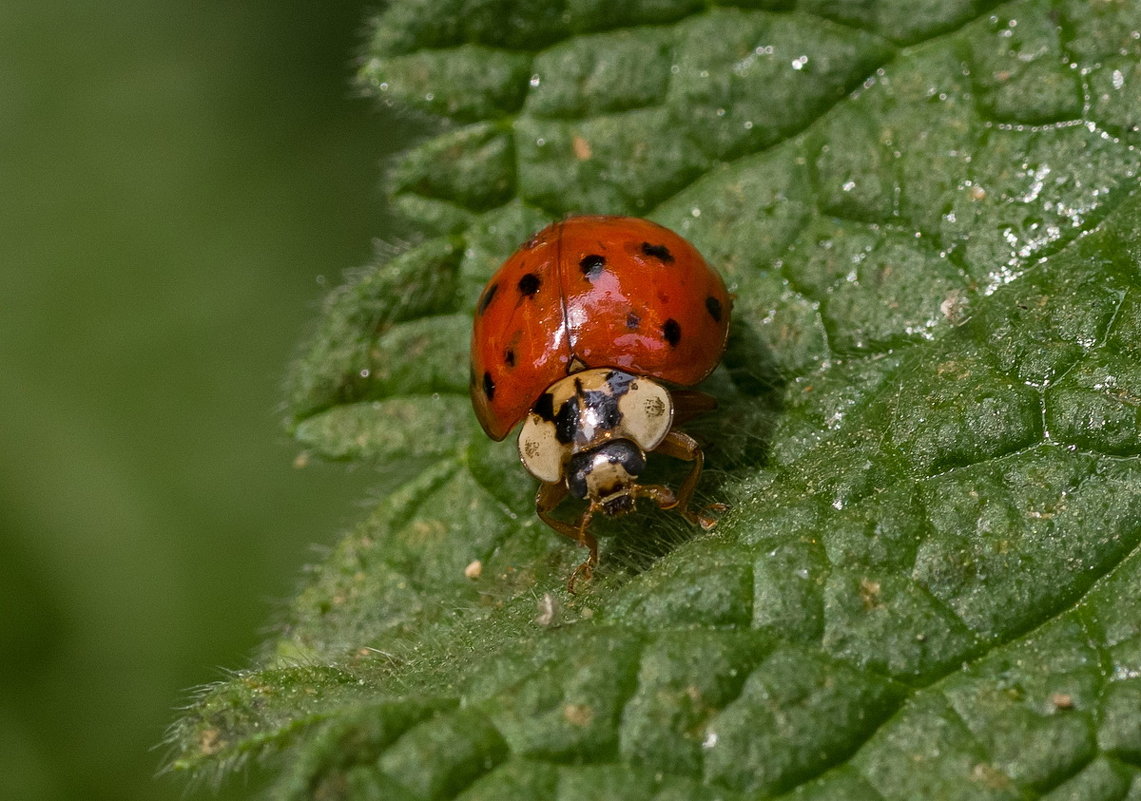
column 573, row 333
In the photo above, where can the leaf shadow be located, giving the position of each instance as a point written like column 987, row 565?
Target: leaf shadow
column 735, row 438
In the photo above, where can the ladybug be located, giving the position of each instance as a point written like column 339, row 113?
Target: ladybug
column 580, row 335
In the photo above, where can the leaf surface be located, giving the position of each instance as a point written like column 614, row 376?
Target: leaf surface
column 929, row 582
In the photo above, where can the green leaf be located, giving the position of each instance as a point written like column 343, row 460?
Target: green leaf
column 929, row 582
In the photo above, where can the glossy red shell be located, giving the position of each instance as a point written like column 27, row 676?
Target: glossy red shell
column 608, row 291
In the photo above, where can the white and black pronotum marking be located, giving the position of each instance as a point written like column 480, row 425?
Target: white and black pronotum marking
column 592, row 430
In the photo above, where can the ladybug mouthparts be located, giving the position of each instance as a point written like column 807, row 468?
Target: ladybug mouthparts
column 619, row 504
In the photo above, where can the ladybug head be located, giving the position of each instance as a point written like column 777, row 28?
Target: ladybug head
column 606, row 475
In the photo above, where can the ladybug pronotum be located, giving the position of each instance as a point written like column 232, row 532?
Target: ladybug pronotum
column 581, row 334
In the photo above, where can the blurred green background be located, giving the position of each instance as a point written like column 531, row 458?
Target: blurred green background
column 178, row 182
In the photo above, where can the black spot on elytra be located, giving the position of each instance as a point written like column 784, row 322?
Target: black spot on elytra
column 488, row 386
column 529, row 284
column 660, row 252
column 672, row 332
column 592, row 266
column 509, row 357
column 713, row 306
column 632, row 320
column 488, row 296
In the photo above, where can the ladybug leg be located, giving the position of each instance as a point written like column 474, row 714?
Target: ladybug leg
column 690, row 403
column 684, row 447
column 663, row 496
column 584, row 538
column 548, row 497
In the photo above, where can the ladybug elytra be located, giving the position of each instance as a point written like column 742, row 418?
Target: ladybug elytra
column 578, row 334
